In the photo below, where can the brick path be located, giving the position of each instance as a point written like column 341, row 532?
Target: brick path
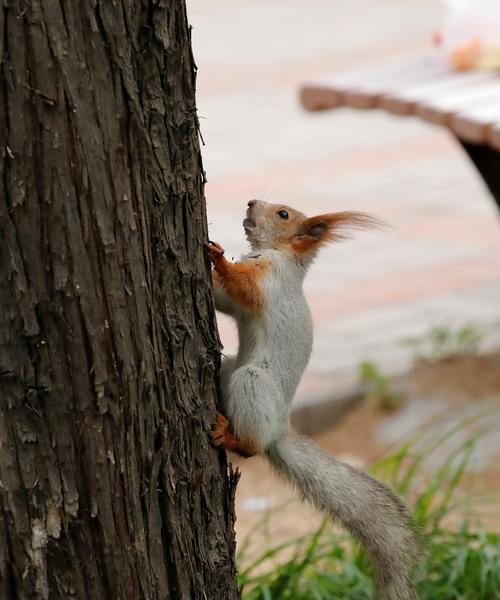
column 438, row 263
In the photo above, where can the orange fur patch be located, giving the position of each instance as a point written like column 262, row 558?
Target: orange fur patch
column 222, row 435
column 282, row 229
column 241, row 281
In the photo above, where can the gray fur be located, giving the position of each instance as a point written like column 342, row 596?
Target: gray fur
column 258, row 387
column 366, row 507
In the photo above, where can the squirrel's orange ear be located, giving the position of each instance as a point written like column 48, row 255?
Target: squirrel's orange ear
column 315, row 231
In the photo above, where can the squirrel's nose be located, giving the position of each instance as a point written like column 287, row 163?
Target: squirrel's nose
column 252, row 202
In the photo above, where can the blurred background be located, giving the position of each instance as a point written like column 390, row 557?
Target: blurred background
column 427, row 287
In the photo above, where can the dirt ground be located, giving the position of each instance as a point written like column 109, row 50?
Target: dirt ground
column 436, row 396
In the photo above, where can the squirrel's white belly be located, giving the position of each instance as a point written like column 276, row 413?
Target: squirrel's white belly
column 279, row 340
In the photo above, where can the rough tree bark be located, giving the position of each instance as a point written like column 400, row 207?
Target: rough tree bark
column 108, row 351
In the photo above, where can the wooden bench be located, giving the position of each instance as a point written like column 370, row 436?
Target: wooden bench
column 467, row 103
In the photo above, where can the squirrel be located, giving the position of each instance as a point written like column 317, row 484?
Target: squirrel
column 263, row 293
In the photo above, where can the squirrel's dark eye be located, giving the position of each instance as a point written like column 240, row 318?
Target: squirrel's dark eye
column 283, row 214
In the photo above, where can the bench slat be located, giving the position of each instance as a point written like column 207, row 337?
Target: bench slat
column 466, row 102
column 474, row 125
column 439, row 110
column 369, row 94
column 404, row 101
column 330, row 91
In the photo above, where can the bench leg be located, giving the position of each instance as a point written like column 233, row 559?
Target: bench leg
column 487, row 161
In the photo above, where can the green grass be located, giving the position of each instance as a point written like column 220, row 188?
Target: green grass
column 379, row 386
column 443, row 342
column 463, row 560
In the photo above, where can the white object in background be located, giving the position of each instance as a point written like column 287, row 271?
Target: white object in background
column 470, row 35
column 257, row 503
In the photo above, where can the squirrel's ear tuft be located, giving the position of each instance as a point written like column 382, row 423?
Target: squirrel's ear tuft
column 315, row 231
column 341, row 224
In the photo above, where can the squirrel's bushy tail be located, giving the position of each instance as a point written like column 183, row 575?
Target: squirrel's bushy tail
column 366, row 507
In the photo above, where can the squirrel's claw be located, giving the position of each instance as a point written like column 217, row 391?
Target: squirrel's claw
column 214, row 250
column 219, row 430
column 222, row 435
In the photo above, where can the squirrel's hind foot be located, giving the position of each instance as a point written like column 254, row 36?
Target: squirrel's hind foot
column 222, row 435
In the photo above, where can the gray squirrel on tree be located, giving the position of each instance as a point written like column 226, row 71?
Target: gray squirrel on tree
column 263, row 293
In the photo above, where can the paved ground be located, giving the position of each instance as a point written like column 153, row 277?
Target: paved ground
column 439, row 263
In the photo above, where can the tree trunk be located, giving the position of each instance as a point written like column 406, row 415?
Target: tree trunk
column 108, row 346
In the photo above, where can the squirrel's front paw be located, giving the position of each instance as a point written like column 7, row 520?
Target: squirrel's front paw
column 215, row 251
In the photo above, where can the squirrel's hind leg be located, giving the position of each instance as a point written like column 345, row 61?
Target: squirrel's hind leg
column 255, row 406
column 222, row 433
